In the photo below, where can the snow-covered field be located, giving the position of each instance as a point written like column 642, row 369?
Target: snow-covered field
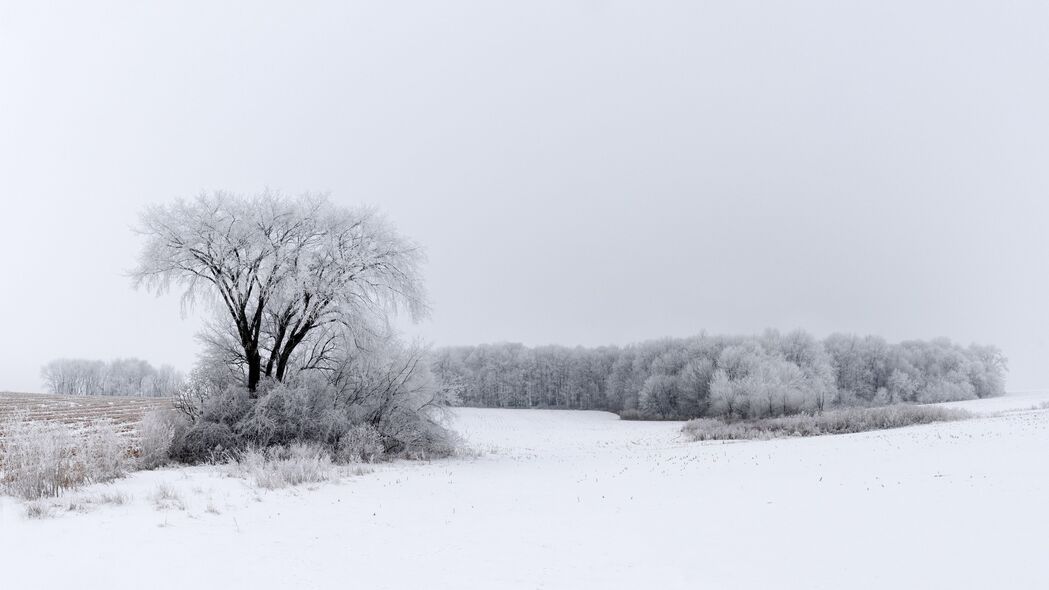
column 1014, row 402
column 563, row 499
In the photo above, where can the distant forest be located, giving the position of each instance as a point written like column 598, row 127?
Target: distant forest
column 132, row 377
column 749, row 376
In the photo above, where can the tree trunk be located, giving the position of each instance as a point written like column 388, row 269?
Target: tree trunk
column 254, row 371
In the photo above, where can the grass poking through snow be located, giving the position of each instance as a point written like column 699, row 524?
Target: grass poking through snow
column 166, row 498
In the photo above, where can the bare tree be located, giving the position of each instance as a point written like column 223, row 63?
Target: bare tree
column 286, row 275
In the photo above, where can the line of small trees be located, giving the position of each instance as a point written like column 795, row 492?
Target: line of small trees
column 131, row 377
column 751, row 376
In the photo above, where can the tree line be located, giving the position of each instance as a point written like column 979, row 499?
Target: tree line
column 772, row 374
column 131, row 377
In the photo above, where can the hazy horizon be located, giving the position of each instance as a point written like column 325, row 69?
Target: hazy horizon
column 580, row 173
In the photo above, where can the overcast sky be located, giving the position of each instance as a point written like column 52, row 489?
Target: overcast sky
column 580, row 172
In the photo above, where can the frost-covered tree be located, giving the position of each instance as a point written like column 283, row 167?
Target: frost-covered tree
column 300, row 348
column 289, row 277
column 726, row 395
column 987, row 367
column 694, row 387
column 659, row 396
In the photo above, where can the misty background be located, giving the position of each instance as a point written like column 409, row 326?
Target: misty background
column 580, row 172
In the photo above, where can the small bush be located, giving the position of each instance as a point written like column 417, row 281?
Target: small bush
column 204, row 442
column 630, row 415
column 281, row 467
column 416, row 436
column 104, row 453
column 156, row 433
column 433, row 442
column 228, row 406
column 361, row 443
column 842, row 421
column 291, row 412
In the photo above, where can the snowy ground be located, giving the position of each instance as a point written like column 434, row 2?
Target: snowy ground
column 1014, row 402
column 578, row 500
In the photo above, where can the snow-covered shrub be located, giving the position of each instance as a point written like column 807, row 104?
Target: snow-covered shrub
column 208, row 378
column 863, row 419
column 360, row 443
column 843, row 421
column 301, row 410
column 228, row 405
column 393, row 389
column 204, row 442
column 103, row 452
column 156, row 433
column 374, row 399
column 281, row 467
column 421, row 437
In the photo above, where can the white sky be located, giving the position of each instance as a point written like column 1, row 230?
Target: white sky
column 581, row 172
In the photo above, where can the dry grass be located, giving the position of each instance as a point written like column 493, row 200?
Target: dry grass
column 844, row 421
column 211, row 508
column 51, row 443
column 281, row 467
column 165, row 497
column 113, row 498
column 51, row 507
column 39, row 510
column 43, row 459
